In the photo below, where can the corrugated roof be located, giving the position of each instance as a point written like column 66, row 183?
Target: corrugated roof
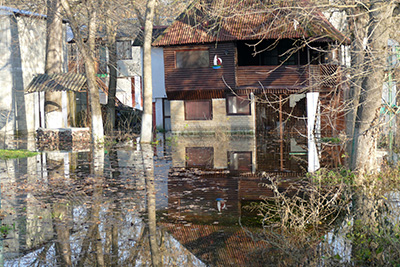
column 57, row 82
column 5, row 10
column 11, row 11
column 208, row 21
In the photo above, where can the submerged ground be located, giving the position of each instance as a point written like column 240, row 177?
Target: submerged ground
column 188, row 201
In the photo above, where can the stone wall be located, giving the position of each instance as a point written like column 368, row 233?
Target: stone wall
column 221, row 122
column 63, row 139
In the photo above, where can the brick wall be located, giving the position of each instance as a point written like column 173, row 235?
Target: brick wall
column 221, row 122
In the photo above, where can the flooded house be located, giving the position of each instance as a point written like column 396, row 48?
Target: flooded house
column 129, row 52
column 253, row 66
column 161, row 110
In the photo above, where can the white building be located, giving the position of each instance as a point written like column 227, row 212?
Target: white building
column 130, row 82
column 22, row 55
column 130, row 72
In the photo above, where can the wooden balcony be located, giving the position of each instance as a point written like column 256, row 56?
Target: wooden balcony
column 296, row 78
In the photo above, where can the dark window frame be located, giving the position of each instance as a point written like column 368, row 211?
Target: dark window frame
column 192, row 50
column 209, row 163
column 269, row 53
column 186, row 102
column 248, row 168
column 245, row 98
column 165, row 116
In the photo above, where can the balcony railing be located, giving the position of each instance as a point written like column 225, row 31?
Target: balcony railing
column 310, row 77
column 323, row 76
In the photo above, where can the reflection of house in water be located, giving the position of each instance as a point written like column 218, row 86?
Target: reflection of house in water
column 209, row 172
column 218, row 245
column 232, row 168
column 193, row 194
column 210, row 152
column 212, row 235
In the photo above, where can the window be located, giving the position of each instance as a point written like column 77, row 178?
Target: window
column 237, row 105
column 124, row 50
column 198, row 110
column 102, row 58
column 269, row 53
column 167, row 114
column 239, row 161
column 192, row 59
column 200, row 157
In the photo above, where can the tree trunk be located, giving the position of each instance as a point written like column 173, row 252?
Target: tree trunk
column 366, row 124
column 87, row 50
column 97, row 120
column 54, row 40
column 62, row 229
column 148, row 167
column 147, row 118
column 112, row 85
column 357, row 27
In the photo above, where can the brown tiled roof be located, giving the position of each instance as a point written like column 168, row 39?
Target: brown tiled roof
column 249, row 20
column 245, row 90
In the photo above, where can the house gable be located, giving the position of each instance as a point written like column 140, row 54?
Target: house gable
column 211, row 21
column 246, row 35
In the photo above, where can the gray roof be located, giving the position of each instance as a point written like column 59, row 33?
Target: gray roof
column 57, row 82
column 11, row 11
column 4, row 10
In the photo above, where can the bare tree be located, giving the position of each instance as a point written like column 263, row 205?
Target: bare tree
column 87, row 49
column 147, row 119
column 112, row 65
column 54, row 63
column 371, row 22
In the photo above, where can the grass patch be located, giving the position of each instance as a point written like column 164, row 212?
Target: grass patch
column 332, row 140
column 16, row 154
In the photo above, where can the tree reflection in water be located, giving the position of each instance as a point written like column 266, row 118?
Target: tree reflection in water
column 100, row 209
column 101, row 212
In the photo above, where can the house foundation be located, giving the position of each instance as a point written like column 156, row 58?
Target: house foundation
column 71, row 139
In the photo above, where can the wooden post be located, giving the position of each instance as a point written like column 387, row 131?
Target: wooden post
column 281, row 130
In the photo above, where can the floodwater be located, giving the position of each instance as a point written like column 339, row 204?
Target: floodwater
column 181, row 202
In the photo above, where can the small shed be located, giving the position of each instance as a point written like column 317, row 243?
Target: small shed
column 59, row 138
column 58, row 82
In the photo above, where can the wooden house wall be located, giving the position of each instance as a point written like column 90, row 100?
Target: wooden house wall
column 206, row 83
column 333, row 124
column 195, row 79
column 210, row 82
column 278, row 76
column 332, row 114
